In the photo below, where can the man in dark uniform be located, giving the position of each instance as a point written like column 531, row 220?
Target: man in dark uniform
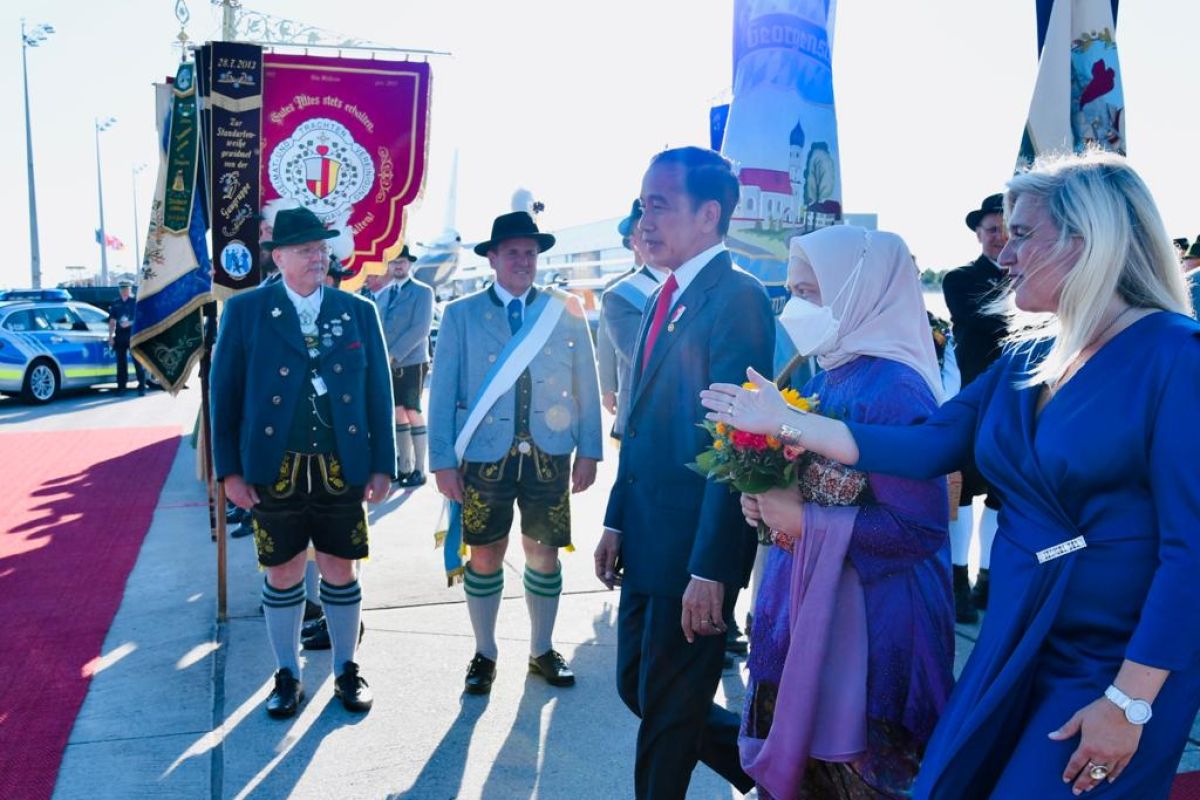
column 978, row 335
column 120, row 327
column 302, row 435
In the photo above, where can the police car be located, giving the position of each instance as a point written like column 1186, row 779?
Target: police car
column 49, row 346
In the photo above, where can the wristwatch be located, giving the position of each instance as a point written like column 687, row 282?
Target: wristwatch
column 1137, row 712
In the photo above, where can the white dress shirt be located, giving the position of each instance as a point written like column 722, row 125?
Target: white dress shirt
column 307, row 308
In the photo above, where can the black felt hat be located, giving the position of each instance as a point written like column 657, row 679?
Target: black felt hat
column 1194, row 250
column 296, row 226
column 992, row 204
column 516, row 225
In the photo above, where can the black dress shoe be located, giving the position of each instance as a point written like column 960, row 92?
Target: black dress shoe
column 315, row 635
column 352, row 690
column 287, row 695
column 312, row 611
column 980, row 591
column 402, row 478
column 553, row 667
column 415, row 478
column 240, row 531
column 481, row 673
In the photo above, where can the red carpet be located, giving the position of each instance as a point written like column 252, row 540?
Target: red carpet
column 1187, row 786
column 74, row 509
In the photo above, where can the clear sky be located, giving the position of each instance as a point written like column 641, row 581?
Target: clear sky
column 570, row 99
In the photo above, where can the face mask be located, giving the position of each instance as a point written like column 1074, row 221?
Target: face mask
column 812, row 328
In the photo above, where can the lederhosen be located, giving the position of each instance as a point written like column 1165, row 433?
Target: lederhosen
column 408, row 383
column 309, row 500
column 540, row 484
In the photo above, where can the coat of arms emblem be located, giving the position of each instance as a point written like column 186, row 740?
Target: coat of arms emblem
column 322, row 167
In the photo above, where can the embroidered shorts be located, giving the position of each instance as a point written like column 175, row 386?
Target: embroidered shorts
column 539, row 483
column 407, row 383
column 309, row 501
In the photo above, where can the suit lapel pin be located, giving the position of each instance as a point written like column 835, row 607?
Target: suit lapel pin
column 336, row 330
column 675, row 318
column 275, row 312
column 345, row 316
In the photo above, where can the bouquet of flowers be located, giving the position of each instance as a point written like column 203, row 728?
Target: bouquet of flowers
column 755, row 463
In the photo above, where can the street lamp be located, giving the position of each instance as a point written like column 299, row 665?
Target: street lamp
column 102, row 125
column 137, row 231
column 32, row 37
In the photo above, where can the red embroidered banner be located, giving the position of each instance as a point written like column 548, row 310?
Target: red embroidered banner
column 347, row 139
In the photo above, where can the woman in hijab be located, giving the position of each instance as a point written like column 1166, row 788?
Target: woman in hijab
column 1086, row 674
column 853, row 633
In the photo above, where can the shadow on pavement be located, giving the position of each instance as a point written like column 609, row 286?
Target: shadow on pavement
column 442, row 774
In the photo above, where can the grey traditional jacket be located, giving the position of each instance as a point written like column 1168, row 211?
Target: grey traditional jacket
column 407, row 315
column 565, row 413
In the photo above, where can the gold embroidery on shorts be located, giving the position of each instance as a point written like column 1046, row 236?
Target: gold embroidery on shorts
column 475, row 511
column 262, row 539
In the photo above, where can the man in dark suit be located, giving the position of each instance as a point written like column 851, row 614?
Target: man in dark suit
column 978, row 336
column 302, row 435
column 621, row 310
column 672, row 540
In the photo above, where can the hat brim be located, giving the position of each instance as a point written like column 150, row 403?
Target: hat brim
column 299, row 238
column 545, row 242
column 976, row 216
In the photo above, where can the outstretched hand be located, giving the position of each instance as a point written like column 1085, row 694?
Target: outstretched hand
column 759, row 410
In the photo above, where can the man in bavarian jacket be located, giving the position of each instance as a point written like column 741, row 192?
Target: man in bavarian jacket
column 302, row 435
column 512, row 396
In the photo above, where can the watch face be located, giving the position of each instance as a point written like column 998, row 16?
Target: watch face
column 1138, row 712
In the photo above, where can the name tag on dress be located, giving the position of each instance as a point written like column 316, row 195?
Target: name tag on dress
column 1061, row 549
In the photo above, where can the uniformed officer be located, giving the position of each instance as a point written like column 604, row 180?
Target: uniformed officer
column 513, row 394
column 302, row 434
column 120, row 328
column 406, row 310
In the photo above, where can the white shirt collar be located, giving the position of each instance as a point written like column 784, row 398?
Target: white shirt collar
column 688, row 270
column 506, row 297
column 312, row 302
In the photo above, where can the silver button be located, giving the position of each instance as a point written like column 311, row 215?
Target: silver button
column 269, row 431
column 276, row 400
column 570, row 342
column 345, row 398
column 353, row 429
column 337, row 367
column 489, row 420
column 491, row 358
column 487, row 315
column 523, row 448
column 550, row 380
column 283, row 371
column 564, row 394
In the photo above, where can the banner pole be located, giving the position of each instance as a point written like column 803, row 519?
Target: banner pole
column 217, row 492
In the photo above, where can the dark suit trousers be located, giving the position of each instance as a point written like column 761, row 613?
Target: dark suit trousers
column 670, row 684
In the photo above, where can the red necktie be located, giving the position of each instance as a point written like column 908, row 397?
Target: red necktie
column 660, row 316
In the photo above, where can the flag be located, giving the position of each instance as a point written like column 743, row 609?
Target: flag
column 110, row 241
column 175, row 278
column 781, row 134
column 1078, row 100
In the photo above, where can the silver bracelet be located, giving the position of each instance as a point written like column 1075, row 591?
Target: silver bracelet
column 789, row 434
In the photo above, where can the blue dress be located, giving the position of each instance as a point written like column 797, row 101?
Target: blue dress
column 1111, row 459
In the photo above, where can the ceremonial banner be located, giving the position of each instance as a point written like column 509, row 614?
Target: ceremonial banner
column 176, row 276
column 235, row 103
column 347, row 139
column 1078, row 100
column 781, row 135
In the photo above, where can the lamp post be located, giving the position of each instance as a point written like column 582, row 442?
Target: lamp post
column 32, row 37
column 102, row 125
column 137, row 231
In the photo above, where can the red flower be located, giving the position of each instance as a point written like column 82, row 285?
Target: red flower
column 749, row 441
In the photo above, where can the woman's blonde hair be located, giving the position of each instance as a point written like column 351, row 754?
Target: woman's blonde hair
column 1097, row 197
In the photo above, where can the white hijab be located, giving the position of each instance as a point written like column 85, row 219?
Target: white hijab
column 882, row 313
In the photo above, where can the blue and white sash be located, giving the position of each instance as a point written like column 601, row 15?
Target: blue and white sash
column 635, row 289
column 541, row 316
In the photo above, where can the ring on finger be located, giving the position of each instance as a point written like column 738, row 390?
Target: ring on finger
column 1098, row 772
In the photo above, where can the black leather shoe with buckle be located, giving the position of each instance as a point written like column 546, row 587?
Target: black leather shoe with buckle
column 481, row 673
column 553, row 667
column 287, row 695
column 352, row 690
